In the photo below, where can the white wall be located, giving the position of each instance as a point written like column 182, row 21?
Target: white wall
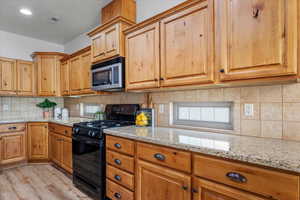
column 145, row 10
column 21, row 47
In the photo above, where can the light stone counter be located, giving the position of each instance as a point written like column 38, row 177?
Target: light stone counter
column 273, row 153
column 68, row 122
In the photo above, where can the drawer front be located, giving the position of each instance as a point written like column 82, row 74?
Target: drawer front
column 60, row 129
column 268, row 183
column 16, row 127
column 121, row 177
column 165, row 156
column 120, row 161
column 117, row 192
column 120, row 145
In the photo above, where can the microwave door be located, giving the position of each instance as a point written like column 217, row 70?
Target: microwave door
column 102, row 77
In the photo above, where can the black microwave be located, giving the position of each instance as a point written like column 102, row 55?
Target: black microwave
column 109, row 75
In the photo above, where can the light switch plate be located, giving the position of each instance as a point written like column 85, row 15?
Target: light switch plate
column 248, row 110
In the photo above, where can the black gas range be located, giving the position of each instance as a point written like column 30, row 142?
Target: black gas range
column 88, row 141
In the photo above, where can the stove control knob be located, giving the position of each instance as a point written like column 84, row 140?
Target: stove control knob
column 93, row 134
column 76, row 131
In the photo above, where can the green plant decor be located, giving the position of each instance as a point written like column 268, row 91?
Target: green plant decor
column 46, row 104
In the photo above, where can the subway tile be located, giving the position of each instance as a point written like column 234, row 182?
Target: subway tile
column 291, row 93
column 216, row 94
column 271, row 111
column 271, row 129
column 270, row 93
column 291, row 131
column 250, row 94
column 251, row 128
column 291, row 112
column 232, row 94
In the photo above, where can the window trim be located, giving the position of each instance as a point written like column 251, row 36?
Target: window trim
column 202, row 124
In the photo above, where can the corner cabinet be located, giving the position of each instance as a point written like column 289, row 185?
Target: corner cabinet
column 37, row 140
column 107, row 40
column 256, row 39
column 142, row 58
column 8, row 79
column 48, row 73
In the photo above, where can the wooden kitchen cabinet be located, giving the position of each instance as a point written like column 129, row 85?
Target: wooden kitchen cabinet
column 86, row 77
column 8, row 79
column 207, row 190
column 143, row 58
column 256, row 39
column 67, row 160
column 159, row 183
column 26, row 78
column 65, row 77
column 55, row 148
column 187, row 46
column 13, row 147
column 75, row 75
column 37, row 140
column 108, row 40
column 48, row 72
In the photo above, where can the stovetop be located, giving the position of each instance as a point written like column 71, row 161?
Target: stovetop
column 102, row 124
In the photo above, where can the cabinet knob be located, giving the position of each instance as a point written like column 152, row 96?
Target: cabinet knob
column 159, row 157
column 118, row 178
column 185, row 187
column 236, row 177
column 222, row 70
column 118, row 146
column 118, row 162
column 162, row 79
column 195, row 190
column 118, row 195
column 255, row 12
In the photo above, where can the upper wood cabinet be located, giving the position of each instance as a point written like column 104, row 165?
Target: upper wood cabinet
column 108, row 40
column 159, row 183
column 207, row 190
column 8, row 79
column 187, row 46
column 48, row 76
column 142, row 58
column 26, row 78
column 37, row 138
column 86, row 75
column 256, row 39
column 65, row 77
column 75, row 74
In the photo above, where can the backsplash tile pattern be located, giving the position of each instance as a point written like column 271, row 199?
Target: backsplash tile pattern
column 21, row 107
column 276, row 107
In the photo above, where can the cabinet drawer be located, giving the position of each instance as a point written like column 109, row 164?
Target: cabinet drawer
column 60, row 129
column 120, row 161
column 6, row 128
column 165, row 156
column 268, row 183
column 121, row 177
column 117, row 192
column 120, row 145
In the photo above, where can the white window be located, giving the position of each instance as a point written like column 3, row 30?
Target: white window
column 89, row 110
column 209, row 115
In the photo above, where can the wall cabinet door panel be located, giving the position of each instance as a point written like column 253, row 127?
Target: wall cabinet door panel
column 112, row 43
column 142, row 58
column 47, row 75
column 187, row 46
column 37, row 141
column 26, row 84
column 65, row 78
column 256, row 39
column 75, row 75
column 8, row 76
column 85, row 75
column 158, row 183
column 98, row 47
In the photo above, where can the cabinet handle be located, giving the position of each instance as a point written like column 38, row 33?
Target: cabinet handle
column 118, row 178
column 236, row 177
column 162, row 79
column 222, row 70
column 185, row 187
column 118, row 146
column 118, row 195
column 12, row 128
column 66, row 132
column 255, row 12
column 159, row 157
column 118, row 162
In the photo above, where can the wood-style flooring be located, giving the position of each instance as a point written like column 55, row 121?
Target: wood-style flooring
column 37, row 182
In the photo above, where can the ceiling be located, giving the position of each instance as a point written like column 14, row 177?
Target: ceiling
column 75, row 18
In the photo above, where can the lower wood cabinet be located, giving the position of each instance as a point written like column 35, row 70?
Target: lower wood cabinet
column 159, row 183
column 12, row 147
column 37, row 138
column 207, row 190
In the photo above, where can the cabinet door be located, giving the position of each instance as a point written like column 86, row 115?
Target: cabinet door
column 55, row 148
column 187, row 46
column 159, row 183
column 206, row 190
column 256, row 39
column 65, row 78
column 67, row 163
column 25, row 78
column 142, row 58
column 37, row 141
column 13, row 147
column 98, row 47
column 47, row 75
column 86, row 73
column 8, row 76
column 75, row 75
column 111, row 36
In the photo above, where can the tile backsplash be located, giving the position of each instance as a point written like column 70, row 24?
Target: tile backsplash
column 276, row 108
column 21, row 107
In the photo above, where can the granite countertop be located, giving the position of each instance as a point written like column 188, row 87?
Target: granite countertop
column 273, row 153
column 68, row 122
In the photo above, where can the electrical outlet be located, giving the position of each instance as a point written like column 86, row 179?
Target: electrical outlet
column 161, row 108
column 5, row 107
column 248, row 110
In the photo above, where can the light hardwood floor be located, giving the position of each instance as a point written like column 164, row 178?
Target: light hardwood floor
column 37, row 182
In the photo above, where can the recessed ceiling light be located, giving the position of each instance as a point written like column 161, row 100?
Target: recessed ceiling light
column 25, row 11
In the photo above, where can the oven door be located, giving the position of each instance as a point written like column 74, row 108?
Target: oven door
column 89, row 164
